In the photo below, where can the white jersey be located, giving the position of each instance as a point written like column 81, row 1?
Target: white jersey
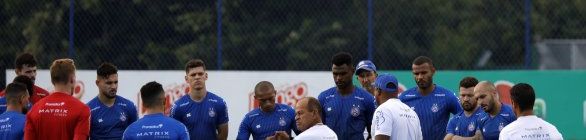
column 317, row 132
column 530, row 128
column 396, row 120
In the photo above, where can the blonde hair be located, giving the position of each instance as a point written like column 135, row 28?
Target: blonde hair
column 61, row 70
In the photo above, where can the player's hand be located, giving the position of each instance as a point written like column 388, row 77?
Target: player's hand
column 281, row 135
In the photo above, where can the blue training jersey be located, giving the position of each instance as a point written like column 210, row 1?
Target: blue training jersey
column 156, row 126
column 261, row 124
column 464, row 126
column 433, row 110
column 201, row 118
column 347, row 115
column 110, row 122
column 491, row 126
column 12, row 125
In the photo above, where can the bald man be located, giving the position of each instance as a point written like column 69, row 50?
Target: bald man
column 309, row 120
column 497, row 115
column 269, row 117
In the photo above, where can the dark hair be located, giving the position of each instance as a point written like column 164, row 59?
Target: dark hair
column 523, row 95
column 26, row 81
column 106, row 69
column 262, row 86
column 14, row 91
column 25, row 59
column 422, row 60
column 61, row 70
column 342, row 58
column 194, row 63
column 150, row 94
column 313, row 105
column 468, row 82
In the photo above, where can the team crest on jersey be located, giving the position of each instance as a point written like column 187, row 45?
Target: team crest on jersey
column 434, row 108
column 211, row 112
column 471, row 126
column 355, row 111
column 282, row 122
column 122, row 116
column 501, row 126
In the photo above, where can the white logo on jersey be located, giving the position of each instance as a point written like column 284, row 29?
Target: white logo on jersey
column 282, row 122
column 188, row 115
column 501, row 126
column 121, row 104
column 122, row 116
column 213, row 100
column 152, row 126
column 359, row 98
column 410, row 95
column 413, row 108
column 471, row 126
column 258, row 126
column 212, row 113
column 329, row 108
column 183, row 104
column 100, row 120
column 439, row 94
column 434, row 108
column 331, row 96
column 55, row 104
column 355, row 111
column 4, row 120
column 96, row 108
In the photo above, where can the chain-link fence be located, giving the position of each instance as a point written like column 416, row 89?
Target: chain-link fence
column 284, row 34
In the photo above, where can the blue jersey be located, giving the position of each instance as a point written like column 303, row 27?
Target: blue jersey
column 12, row 125
column 464, row 126
column 2, row 104
column 347, row 115
column 491, row 126
column 262, row 125
column 433, row 110
column 201, row 118
column 110, row 122
column 156, row 126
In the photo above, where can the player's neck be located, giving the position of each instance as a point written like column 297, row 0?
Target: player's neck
column 63, row 88
column 526, row 113
column 346, row 91
column 468, row 113
column 497, row 109
column 109, row 102
column 149, row 111
column 427, row 90
column 198, row 95
column 16, row 108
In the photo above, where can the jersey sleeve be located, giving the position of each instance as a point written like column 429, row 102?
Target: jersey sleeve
column 132, row 113
column 82, row 128
column 450, row 129
column 455, row 107
column 176, row 112
column 370, row 108
column 243, row 131
column 222, row 113
column 383, row 122
column 184, row 134
column 127, row 134
column 322, row 102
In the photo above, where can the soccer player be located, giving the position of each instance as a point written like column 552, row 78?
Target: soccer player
column 29, row 87
column 393, row 119
column 527, row 126
column 12, row 121
column 111, row 114
column 204, row 113
column 346, row 109
column 308, row 119
column 59, row 115
column 432, row 103
column 496, row 116
column 366, row 72
column 26, row 65
column 463, row 124
column 155, row 125
column 269, row 118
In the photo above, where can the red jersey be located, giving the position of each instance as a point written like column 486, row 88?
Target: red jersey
column 38, row 94
column 58, row 116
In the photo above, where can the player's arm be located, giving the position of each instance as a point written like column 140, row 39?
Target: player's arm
column 449, row 136
column 82, row 128
column 383, row 128
column 477, row 136
column 382, row 137
column 371, row 107
column 185, row 134
column 243, row 131
column 175, row 112
column 222, row 121
column 450, row 128
column 132, row 113
column 223, row 131
column 455, row 104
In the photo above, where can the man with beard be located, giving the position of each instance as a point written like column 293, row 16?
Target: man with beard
column 111, row 114
column 269, row 118
column 432, row 103
column 497, row 115
column 366, row 73
column 29, row 87
column 347, row 109
column 463, row 124
column 12, row 121
column 26, row 65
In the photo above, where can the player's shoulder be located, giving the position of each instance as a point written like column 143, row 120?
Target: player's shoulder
column 182, row 101
column 93, row 102
column 363, row 93
column 40, row 89
column 124, row 102
column 412, row 92
column 252, row 114
column 441, row 91
column 327, row 92
column 214, row 98
column 283, row 108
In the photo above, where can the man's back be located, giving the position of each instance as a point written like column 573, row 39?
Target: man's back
column 12, row 125
column 395, row 119
column 156, row 126
column 528, row 128
column 317, row 132
column 58, row 116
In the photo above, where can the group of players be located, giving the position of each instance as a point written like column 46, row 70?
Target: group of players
column 345, row 112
